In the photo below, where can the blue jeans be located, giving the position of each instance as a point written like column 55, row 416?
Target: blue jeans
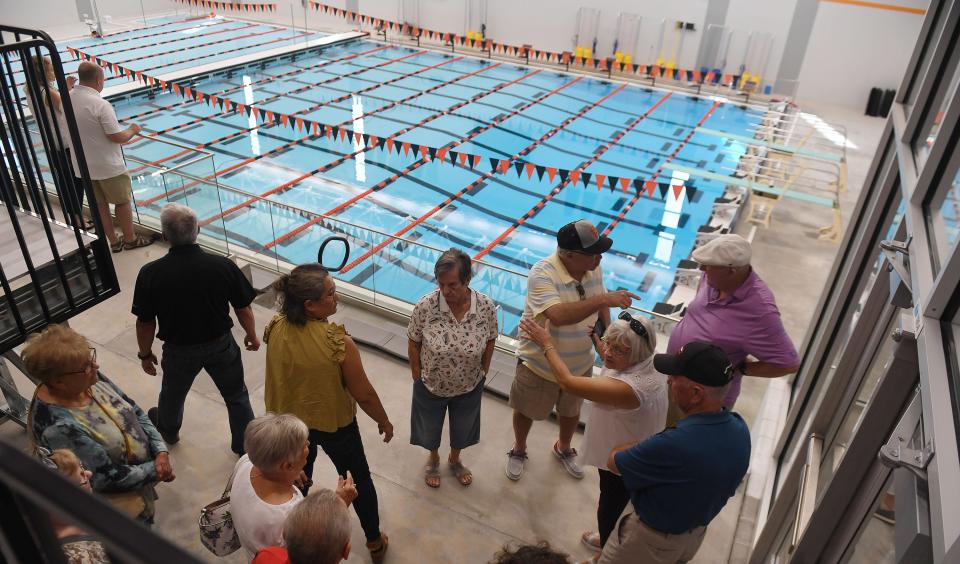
column 345, row 449
column 221, row 359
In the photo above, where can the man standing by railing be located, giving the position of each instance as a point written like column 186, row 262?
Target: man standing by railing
column 190, row 291
column 101, row 136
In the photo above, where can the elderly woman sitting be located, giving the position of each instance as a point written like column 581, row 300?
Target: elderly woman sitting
column 74, row 408
column 266, row 480
column 628, row 403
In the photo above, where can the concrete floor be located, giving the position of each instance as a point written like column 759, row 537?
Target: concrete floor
column 452, row 523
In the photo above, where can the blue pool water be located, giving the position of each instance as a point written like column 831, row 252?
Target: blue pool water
column 435, row 204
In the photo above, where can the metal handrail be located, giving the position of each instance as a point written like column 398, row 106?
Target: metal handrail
column 205, row 154
column 405, row 240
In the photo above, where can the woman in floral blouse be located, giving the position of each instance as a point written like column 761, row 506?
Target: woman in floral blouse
column 75, row 408
column 451, row 336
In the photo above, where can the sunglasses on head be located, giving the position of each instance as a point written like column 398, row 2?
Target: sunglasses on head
column 635, row 324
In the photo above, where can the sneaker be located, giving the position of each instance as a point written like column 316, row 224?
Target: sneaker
column 591, row 540
column 569, row 461
column 169, row 439
column 515, row 462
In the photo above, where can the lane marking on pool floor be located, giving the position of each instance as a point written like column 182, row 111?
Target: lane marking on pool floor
column 420, row 162
column 572, row 178
column 271, row 78
column 340, row 160
column 268, row 112
column 648, row 184
column 452, row 198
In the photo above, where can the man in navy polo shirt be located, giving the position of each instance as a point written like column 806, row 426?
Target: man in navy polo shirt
column 681, row 478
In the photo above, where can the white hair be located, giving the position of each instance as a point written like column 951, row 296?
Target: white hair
column 271, row 439
column 641, row 348
column 317, row 529
column 179, row 224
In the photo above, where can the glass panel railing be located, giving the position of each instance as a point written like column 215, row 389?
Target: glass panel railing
column 389, row 271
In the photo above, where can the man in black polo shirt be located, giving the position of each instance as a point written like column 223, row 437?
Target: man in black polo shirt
column 681, row 478
column 189, row 292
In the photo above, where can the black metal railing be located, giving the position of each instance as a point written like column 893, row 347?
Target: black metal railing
column 30, row 493
column 51, row 268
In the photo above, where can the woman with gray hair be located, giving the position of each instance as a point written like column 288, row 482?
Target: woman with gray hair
column 627, row 404
column 266, row 480
column 317, row 531
column 451, row 336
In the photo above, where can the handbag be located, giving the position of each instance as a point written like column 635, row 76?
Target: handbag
column 217, row 532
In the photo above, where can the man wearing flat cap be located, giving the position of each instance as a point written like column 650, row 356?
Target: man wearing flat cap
column 736, row 311
column 566, row 288
column 681, row 478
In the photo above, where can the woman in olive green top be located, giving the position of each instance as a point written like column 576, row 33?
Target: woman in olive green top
column 314, row 372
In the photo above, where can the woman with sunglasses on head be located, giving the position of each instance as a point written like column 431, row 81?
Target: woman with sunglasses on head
column 74, row 409
column 627, row 403
column 78, row 546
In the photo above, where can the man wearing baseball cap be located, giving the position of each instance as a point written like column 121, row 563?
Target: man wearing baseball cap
column 566, row 288
column 681, row 478
column 736, row 311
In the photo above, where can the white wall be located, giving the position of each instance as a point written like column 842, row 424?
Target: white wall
column 760, row 16
column 552, row 25
column 855, row 48
column 51, row 15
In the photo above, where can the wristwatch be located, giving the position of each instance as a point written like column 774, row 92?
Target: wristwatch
column 146, row 356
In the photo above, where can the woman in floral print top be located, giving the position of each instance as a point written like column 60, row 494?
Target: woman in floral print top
column 451, row 336
column 75, row 408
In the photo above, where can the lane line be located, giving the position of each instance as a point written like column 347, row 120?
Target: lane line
column 483, row 178
column 574, row 175
column 636, row 197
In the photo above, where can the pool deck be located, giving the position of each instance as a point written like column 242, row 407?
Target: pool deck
column 455, row 524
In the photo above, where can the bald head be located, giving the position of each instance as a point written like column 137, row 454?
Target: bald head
column 90, row 75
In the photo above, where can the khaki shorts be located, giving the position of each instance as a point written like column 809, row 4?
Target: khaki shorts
column 116, row 190
column 534, row 396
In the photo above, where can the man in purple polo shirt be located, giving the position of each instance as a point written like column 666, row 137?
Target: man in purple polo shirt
column 736, row 311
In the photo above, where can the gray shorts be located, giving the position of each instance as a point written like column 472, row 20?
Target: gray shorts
column 427, row 413
column 534, row 396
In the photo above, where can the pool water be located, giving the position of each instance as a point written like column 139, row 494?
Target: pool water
column 315, row 186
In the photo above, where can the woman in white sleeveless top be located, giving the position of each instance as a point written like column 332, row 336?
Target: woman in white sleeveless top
column 627, row 404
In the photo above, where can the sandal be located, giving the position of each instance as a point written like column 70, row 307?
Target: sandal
column 432, row 471
column 140, row 241
column 378, row 548
column 463, row 474
column 118, row 246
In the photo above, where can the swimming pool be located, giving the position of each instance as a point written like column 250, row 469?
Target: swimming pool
column 315, row 186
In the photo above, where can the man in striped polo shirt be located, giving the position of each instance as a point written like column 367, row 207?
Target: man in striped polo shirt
column 566, row 288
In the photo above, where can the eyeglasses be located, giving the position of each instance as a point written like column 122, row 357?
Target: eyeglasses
column 635, row 324
column 615, row 351
column 90, row 363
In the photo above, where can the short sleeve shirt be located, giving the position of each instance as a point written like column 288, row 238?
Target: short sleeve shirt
column 680, row 479
column 451, row 351
column 95, row 120
column 550, row 284
column 746, row 323
column 189, row 292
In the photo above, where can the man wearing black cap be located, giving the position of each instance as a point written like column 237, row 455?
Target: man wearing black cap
column 566, row 288
column 680, row 479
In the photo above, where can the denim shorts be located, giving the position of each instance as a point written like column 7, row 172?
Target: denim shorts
column 427, row 413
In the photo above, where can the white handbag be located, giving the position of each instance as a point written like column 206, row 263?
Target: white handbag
column 217, row 532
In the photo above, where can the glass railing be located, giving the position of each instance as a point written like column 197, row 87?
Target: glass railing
column 384, row 270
